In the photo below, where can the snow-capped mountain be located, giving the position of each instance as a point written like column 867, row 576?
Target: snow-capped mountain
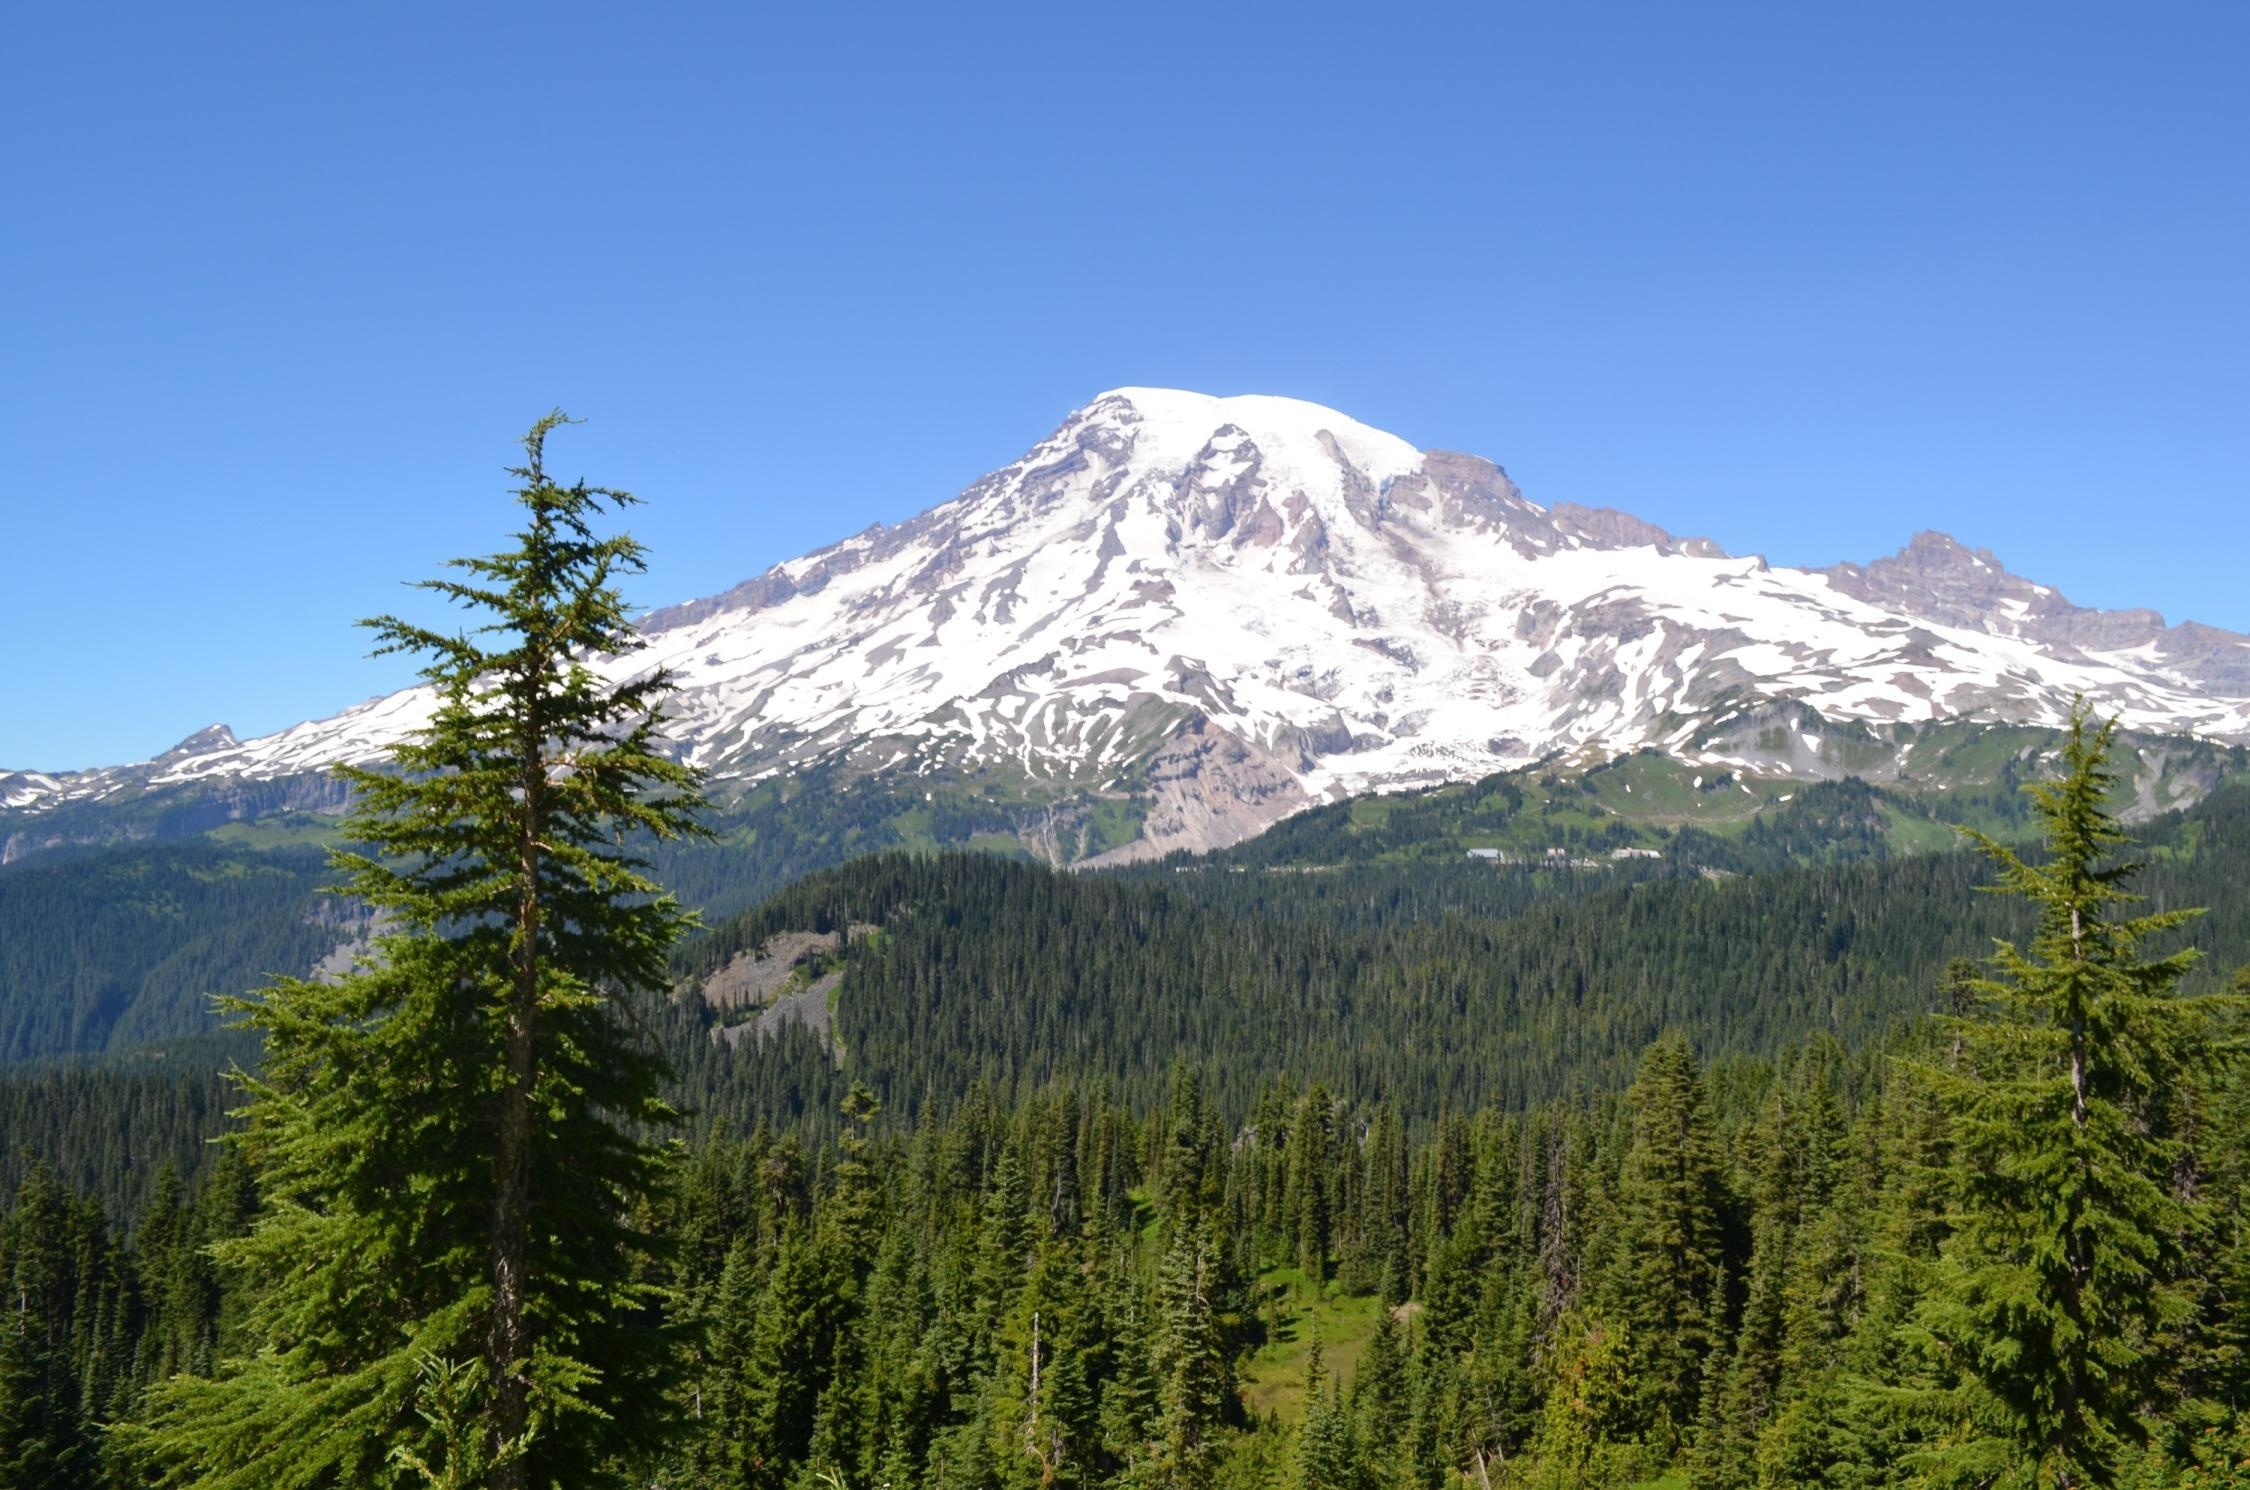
column 1234, row 607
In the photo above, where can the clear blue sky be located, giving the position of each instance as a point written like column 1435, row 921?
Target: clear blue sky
column 282, row 283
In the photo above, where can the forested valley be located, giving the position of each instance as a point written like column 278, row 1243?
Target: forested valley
column 1383, row 1249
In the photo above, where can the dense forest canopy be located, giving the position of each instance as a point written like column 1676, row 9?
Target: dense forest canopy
column 1323, row 1263
column 1310, row 1296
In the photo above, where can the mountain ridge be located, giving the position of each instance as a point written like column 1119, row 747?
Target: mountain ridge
column 1231, row 608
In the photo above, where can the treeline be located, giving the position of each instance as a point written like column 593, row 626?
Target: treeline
column 104, row 950
column 1730, row 1272
column 1431, row 986
column 110, row 1132
column 1819, row 822
column 1022, row 977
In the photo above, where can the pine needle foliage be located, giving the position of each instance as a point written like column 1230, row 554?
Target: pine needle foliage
column 451, row 1138
column 2071, row 1231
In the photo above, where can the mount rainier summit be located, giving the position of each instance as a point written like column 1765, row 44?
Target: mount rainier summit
column 1227, row 609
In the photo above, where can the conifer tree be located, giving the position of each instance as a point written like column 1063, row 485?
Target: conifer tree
column 2226, row 1351
column 450, row 1136
column 2066, row 1258
column 1040, row 1382
column 1307, row 1191
column 1669, row 1197
column 1194, row 1381
column 1380, row 1397
column 1577, row 1443
column 793, row 1338
column 1326, row 1456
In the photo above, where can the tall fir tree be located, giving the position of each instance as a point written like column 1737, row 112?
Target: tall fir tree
column 1307, row 1202
column 793, row 1337
column 2066, row 1262
column 451, row 1136
column 1670, row 1247
column 1194, row 1378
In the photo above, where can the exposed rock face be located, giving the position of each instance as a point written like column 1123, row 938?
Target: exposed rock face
column 763, row 991
column 755, row 978
column 1937, row 578
column 1239, row 606
column 1208, row 789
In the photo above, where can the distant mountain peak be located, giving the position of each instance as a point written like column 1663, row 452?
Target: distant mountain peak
column 1933, row 550
column 1937, row 577
column 205, row 740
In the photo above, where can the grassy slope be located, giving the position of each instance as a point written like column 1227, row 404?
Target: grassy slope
column 1273, row 1379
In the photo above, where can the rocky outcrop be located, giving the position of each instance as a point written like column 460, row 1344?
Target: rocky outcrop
column 1207, row 789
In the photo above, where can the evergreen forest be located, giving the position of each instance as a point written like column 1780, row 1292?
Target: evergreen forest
column 1766, row 1161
